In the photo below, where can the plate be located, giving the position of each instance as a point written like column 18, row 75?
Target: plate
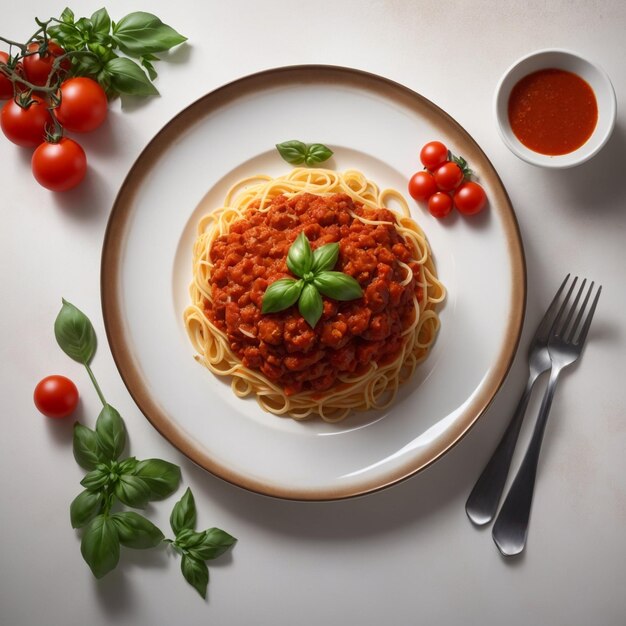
column 371, row 124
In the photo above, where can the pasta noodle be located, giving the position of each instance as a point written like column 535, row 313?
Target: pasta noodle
column 374, row 388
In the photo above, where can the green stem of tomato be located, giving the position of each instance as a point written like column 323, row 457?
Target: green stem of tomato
column 95, row 384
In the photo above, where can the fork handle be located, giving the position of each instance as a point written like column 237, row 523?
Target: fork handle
column 511, row 528
column 482, row 502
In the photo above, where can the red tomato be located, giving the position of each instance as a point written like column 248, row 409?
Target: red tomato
column 83, row 105
column 470, row 198
column 422, row 185
column 37, row 67
column 433, row 154
column 25, row 127
column 6, row 86
column 59, row 166
column 448, row 176
column 440, row 204
column 56, row 396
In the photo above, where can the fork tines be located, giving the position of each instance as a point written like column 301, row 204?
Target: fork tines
column 572, row 331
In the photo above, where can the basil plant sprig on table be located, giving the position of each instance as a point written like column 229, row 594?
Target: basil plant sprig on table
column 95, row 44
column 313, row 267
column 112, row 480
column 297, row 152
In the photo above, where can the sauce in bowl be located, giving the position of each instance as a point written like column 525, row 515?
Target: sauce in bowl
column 552, row 111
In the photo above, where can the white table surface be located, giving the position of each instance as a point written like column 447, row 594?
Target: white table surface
column 407, row 555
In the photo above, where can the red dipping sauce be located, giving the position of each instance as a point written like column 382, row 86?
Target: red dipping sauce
column 553, row 111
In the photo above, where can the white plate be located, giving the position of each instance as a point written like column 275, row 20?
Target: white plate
column 371, row 124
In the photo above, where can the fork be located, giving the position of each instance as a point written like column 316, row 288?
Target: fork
column 564, row 346
column 482, row 502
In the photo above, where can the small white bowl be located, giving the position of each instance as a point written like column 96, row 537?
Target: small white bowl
column 561, row 59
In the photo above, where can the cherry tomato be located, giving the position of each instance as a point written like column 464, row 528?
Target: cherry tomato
column 37, row 67
column 448, row 176
column 440, row 204
column 56, row 396
column 59, row 166
column 470, row 198
column 433, row 154
column 83, row 105
column 422, row 185
column 25, row 126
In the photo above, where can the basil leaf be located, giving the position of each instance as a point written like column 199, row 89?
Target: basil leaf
column 67, row 17
column 214, row 543
column 135, row 531
column 293, row 151
column 184, row 513
column 147, row 63
column 161, row 477
column 188, row 538
column 84, row 507
column 127, row 466
column 325, row 257
column 85, row 446
column 310, row 304
column 281, row 294
column 140, row 33
column 101, row 21
column 128, row 78
column 196, row 573
column 75, row 334
column 317, row 153
column 300, row 256
column 338, row 286
column 96, row 479
column 110, row 432
column 132, row 491
column 100, row 545
column 85, row 26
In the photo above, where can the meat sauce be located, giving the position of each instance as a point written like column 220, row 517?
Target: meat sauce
column 553, row 111
column 350, row 334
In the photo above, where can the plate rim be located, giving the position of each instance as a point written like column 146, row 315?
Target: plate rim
column 112, row 249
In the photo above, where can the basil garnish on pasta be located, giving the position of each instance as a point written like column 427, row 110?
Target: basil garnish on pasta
column 313, row 268
column 297, row 152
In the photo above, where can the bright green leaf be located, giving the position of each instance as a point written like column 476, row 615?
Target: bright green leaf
column 196, row 573
column 325, row 257
column 85, row 447
column 100, row 545
column 110, row 432
column 142, row 33
column 310, row 305
column 75, row 334
column 294, row 152
column 338, row 286
column 317, row 153
column 300, row 256
column 128, row 78
column 184, row 513
column 132, row 491
column 84, row 507
column 161, row 477
column 135, row 531
column 281, row 294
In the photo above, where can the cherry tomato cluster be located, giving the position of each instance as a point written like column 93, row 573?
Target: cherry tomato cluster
column 444, row 182
column 43, row 103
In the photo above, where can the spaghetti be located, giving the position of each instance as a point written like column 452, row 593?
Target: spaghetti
column 360, row 352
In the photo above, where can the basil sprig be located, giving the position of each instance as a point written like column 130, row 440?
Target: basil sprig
column 313, row 267
column 95, row 42
column 297, row 152
column 111, row 481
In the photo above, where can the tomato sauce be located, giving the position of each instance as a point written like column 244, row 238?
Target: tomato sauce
column 553, row 111
column 350, row 334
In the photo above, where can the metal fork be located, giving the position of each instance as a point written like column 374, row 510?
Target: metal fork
column 565, row 346
column 482, row 502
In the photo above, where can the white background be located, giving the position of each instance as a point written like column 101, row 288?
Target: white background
column 407, row 555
